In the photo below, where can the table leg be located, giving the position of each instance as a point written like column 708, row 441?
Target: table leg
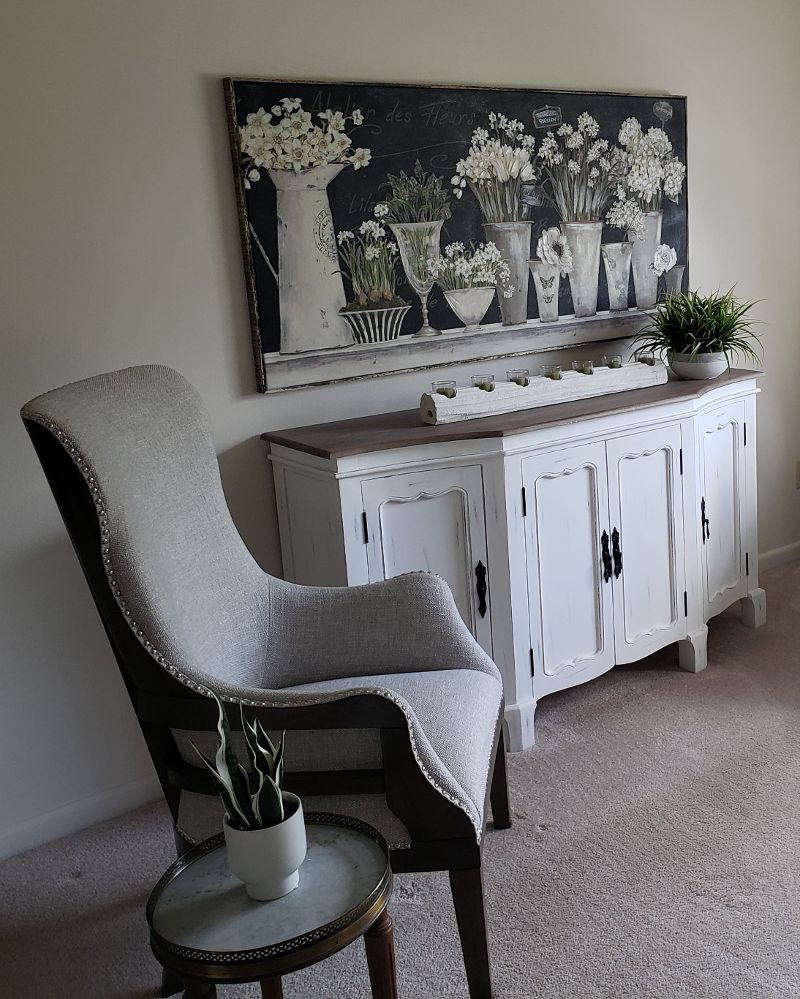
column 271, row 988
column 379, row 944
column 199, row 990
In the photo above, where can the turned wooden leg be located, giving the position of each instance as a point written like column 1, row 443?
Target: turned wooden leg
column 379, row 945
column 467, row 888
column 271, row 988
column 199, row 990
column 171, row 984
column 501, row 814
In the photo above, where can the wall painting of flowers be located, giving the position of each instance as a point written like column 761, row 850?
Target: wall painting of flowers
column 374, row 216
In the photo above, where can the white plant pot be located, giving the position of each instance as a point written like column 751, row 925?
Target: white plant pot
column 470, row 305
column 645, row 279
column 700, row 366
column 584, row 238
column 267, row 861
column 513, row 240
column 376, row 325
column 546, row 279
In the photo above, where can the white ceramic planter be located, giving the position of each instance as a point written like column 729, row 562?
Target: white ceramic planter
column 645, row 279
column 267, row 861
column 470, row 305
column 700, row 366
column 513, row 240
column 617, row 262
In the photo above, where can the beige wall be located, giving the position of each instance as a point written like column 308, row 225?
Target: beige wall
column 120, row 247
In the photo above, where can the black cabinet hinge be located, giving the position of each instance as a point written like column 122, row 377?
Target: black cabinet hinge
column 364, row 527
column 532, row 670
column 747, row 563
column 524, row 503
column 680, row 460
column 685, row 604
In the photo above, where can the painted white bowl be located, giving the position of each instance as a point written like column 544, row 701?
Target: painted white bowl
column 470, row 305
column 700, row 366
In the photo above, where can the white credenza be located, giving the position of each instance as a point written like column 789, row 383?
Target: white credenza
column 573, row 537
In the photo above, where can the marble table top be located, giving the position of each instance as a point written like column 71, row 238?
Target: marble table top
column 205, row 908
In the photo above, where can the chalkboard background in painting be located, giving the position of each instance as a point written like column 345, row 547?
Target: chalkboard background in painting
column 432, row 125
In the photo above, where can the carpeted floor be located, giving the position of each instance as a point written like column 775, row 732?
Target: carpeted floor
column 655, row 854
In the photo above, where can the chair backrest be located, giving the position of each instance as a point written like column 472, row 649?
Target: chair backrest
column 141, row 495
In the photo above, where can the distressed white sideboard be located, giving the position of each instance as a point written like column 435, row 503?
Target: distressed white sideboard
column 573, row 537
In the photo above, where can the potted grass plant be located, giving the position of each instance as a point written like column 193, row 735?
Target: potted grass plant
column 264, row 828
column 374, row 313
column 700, row 334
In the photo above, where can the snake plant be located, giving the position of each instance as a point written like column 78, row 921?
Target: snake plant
column 251, row 793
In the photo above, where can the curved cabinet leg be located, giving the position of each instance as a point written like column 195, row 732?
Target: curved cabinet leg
column 754, row 608
column 693, row 651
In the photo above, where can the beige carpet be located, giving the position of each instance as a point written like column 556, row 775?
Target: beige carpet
column 655, row 854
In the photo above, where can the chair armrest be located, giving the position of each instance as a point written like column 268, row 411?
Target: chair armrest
column 406, row 624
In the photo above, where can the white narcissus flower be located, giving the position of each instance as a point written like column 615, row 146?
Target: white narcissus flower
column 361, row 158
column 358, row 117
column 665, row 259
column 626, row 214
column 381, row 210
column 344, row 237
column 253, row 175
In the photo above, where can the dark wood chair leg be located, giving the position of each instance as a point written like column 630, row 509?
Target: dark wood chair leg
column 170, row 983
column 501, row 813
column 379, row 945
column 271, row 988
column 467, row 888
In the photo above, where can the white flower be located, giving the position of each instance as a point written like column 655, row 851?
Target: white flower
column 361, row 158
column 370, row 228
column 627, row 215
column 665, row 259
column 381, row 210
column 574, row 141
column 344, row 237
column 372, row 252
column 291, row 103
column 573, row 166
column 629, row 132
column 587, row 124
column 358, row 117
column 253, row 175
column 565, row 129
column 276, row 109
column 553, row 248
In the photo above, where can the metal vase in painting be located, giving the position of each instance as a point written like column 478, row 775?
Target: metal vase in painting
column 617, row 263
column 546, row 279
column 645, row 279
column 419, row 250
column 583, row 238
column 470, row 305
column 310, row 286
column 675, row 279
column 376, row 325
column 513, row 240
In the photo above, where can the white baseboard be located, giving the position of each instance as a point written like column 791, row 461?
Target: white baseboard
column 779, row 556
column 78, row 815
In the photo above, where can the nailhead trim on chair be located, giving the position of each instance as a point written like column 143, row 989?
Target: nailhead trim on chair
column 274, row 702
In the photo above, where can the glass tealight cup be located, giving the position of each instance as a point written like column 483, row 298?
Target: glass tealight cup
column 552, row 371
column 485, row 382
column 647, row 357
column 577, row 365
column 587, row 367
column 520, row 376
column 612, row 360
column 445, row 388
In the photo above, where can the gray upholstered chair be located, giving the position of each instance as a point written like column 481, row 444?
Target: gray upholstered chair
column 394, row 710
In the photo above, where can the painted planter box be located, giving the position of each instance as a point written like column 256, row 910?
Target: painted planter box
column 289, row 217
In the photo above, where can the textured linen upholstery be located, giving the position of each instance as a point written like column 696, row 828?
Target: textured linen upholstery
column 206, row 612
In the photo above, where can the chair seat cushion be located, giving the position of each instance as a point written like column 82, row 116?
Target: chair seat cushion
column 452, row 717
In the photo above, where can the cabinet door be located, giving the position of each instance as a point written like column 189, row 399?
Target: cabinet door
column 572, row 634
column 722, row 471
column 433, row 520
column 646, row 517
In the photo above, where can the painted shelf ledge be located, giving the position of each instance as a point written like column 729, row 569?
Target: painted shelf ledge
column 321, row 367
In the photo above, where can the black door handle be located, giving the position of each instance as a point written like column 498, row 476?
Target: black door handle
column 480, row 587
column 606, row 557
column 704, row 521
column 617, row 551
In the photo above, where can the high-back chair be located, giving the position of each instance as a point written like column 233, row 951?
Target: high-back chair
column 393, row 711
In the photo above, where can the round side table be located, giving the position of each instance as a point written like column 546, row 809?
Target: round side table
column 207, row 931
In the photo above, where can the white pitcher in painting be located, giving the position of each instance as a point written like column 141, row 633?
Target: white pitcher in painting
column 310, row 286
column 302, row 152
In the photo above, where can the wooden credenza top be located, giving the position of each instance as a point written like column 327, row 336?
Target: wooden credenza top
column 405, row 429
